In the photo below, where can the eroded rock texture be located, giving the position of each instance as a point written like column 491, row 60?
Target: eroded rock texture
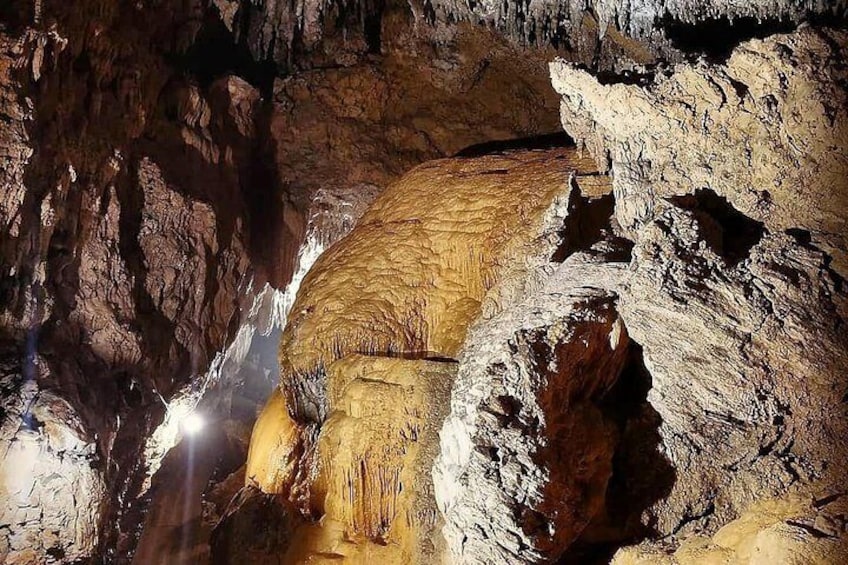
column 161, row 189
column 406, row 282
column 665, row 358
column 505, row 362
column 735, row 289
column 605, row 34
column 766, row 131
column 795, row 529
column 527, row 451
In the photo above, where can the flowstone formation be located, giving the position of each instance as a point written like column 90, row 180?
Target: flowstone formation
column 627, row 345
column 660, row 360
column 367, row 357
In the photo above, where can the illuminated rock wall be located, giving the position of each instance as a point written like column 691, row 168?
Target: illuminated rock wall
column 367, row 355
column 710, row 284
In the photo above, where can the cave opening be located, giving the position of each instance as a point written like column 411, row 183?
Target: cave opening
column 587, row 223
column 590, row 226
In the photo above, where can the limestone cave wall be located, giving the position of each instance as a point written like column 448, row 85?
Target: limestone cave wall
column 449, row 282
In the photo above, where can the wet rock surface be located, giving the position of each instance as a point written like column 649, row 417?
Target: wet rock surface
column 150, row 195
column 662, row 363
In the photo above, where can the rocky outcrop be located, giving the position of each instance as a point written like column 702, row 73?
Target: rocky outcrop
column 607, row 35
column 663, row 357
column 146, row 255
column 686, row 132
column 527, row 452
column 118, row 273
column 48, row 464
column 735, row 288
column 752, row 346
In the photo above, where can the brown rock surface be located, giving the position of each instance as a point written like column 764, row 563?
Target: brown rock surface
column 407, row 281
column 48, row 464
column 109, row 258
column 726, row 178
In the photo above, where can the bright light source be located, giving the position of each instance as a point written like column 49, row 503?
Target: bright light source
column 193, row 423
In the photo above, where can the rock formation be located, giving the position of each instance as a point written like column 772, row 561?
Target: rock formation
column 622, row 343
column 685, row 243
column 434, row 242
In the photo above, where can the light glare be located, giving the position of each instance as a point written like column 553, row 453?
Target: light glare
column 193, row 423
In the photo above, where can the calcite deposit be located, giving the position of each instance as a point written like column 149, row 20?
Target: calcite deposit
column 415, row 269
column 547, row 282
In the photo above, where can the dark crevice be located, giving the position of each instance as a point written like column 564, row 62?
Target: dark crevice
column 215, row 53
column 802, row 237
column 434, row 356
column 273, row 245
column 15, row 14
column 641, row 475
column 727, row 231
column 715, row 38
column 589, row 222
column 373, row 26
column 824, row 501
column 812, row 530
column 805, row 239
column 691, row 518
column 639, row 78
column 544, row 141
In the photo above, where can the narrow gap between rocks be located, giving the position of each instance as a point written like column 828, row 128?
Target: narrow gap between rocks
column 544, row 141
column 641, row 473
column 587, row 223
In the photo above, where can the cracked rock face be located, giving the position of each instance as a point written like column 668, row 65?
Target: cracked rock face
column 517, row 356
column 752, row 345
column 526, row 453
column 158, row 188
column 735, row 288
column 604, row 34
column 767, row 130
column 48, row 464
